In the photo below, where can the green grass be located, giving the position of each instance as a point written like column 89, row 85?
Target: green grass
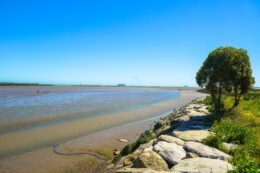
column 240, row 126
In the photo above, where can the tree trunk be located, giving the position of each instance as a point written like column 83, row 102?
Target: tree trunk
column 237, row 97
column 218, row 108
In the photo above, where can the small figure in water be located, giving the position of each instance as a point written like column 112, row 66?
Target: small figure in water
column 38, row 91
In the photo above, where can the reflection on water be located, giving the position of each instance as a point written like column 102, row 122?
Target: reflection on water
column 20, row 105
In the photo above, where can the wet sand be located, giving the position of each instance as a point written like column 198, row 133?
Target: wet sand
column 98, row 134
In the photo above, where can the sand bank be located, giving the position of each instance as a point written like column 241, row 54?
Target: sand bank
column 89, row 135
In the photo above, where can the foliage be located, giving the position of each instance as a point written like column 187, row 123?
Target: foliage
column 243, row 164
column 230, row 131
column 145, row 137
column 158, row 125
column 240, row 126
column 213, row 141
column 226, row 69
column 128, row 149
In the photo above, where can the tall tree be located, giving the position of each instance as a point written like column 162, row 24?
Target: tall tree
column 226, row 69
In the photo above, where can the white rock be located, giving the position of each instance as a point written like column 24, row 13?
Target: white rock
column 171, row 152
column 192, row 135
column 202, row 165
column 171, row 139
column 123, row 140
column 150, row 160
column 206, row 151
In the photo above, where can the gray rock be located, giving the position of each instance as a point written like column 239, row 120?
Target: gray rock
column 171, row 139
column 206, row 151
column 150, row 160
column 171, row 152
column 202, row 165
column 192, row 135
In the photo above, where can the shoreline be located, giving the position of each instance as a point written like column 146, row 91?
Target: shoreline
column 105, row 138
column 176, row 144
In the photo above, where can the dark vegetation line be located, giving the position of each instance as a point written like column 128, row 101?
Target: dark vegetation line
column 22, row 84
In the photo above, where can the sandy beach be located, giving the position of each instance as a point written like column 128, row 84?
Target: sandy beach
column 78, row 138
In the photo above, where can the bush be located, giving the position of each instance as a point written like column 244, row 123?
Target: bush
column 144, row 138
column 158, row 125
column 232, row 132
column 243, row 164
column 208, row 101
column 128, row 149
column 213, row 141
column 246, row 97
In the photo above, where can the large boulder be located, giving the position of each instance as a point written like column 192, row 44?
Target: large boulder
column 192, row 135
column 152, row 160
column 202, row 165
column 206, row 151
column 171, row 139
column 129, row 159
column 171, row 152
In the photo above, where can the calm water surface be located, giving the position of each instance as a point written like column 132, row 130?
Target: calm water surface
column 23, row 107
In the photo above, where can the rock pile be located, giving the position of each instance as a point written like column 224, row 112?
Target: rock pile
column 178, row 147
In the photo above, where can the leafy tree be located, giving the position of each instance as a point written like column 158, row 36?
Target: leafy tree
column 226, row 69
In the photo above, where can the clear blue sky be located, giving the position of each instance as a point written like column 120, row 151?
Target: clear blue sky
column 137, row 42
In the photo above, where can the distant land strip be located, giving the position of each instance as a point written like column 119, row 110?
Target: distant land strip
column 22, row 84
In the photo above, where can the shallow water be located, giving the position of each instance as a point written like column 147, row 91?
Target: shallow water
column 27, row 107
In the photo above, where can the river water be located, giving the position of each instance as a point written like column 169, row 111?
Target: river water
column 34, row 107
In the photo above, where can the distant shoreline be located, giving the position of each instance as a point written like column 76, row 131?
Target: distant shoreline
column 7, row 84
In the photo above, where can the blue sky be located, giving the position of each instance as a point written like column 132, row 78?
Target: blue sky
column 137, row 42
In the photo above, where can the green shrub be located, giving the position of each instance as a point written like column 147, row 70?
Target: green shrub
column 233, row 132
column 213, row 141
column 243, row 164
column 208, row 101
column 145, row 137
column 232, row 114
column 128, row 149
column 158, row 125
column 246, row 97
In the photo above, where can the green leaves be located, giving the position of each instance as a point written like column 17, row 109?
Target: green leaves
column 226, row 69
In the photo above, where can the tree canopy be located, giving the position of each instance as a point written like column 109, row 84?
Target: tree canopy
column 226, row 69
